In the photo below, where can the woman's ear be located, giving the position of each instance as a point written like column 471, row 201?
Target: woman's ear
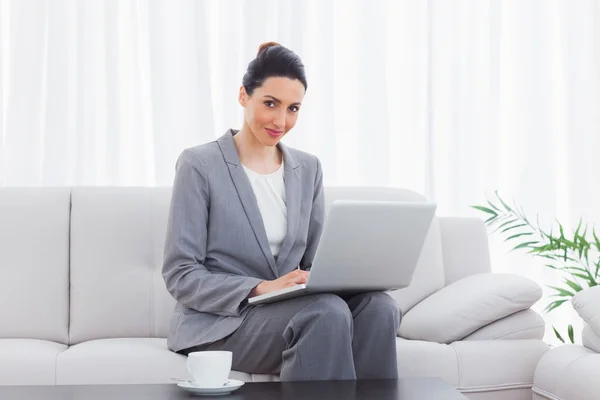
column 243, row 96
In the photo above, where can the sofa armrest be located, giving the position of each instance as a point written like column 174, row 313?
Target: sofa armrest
column 465, row 247
column 526, row 324
column 587, row 305
column 467, row 305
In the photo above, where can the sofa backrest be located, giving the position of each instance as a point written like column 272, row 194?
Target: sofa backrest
column 34, row 263
column 110, row 256
column 117, row 240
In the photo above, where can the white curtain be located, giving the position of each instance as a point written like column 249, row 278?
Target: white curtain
column 453, row 99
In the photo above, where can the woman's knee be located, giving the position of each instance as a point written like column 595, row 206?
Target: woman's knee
column 382, row 304
column 332, row 308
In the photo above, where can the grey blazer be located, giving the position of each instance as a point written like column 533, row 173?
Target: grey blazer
column 216, row 248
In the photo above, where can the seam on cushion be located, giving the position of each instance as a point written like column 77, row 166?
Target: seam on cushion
column 494, row 388
column 544, row 393
column 565, row 369
column 152, row 266
column 56, row 364
column 594, row 342
column 55, row 367
column 520, row 330
column 577, row 359
column 457, row 365
column 70, row 250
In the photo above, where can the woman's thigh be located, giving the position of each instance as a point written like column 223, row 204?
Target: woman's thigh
column 257, row 345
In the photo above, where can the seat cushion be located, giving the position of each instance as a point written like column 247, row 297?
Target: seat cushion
column 568, row 372
column 120, row 361
column 28, row 361
column 473, row 366
column 34, row 263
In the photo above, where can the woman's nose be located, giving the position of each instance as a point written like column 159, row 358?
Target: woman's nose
column 280, row 120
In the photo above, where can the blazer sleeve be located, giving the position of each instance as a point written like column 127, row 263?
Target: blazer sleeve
column 186, row 277
column 317, row 218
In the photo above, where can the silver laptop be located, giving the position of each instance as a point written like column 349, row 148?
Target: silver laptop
column 365, row 246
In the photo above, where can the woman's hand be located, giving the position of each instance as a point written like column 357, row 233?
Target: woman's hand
column 296, row 277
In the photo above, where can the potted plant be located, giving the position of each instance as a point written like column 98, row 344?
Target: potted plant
column 576, row 257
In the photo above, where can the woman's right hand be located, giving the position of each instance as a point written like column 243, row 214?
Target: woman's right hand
column 296, row 277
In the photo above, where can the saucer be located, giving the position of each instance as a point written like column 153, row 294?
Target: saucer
column 230, row 386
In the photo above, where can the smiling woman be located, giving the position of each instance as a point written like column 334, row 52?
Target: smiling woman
column 271, row 93
column 245, row 219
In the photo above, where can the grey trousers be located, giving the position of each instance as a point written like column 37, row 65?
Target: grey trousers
column 317, row 337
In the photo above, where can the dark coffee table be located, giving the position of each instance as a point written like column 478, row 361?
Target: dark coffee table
column 401, row 389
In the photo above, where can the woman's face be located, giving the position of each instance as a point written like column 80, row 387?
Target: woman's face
column 272, row 110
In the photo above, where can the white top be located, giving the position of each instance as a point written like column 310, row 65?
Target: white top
column 269, row 190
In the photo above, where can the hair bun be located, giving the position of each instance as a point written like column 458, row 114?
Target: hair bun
column 266, row 45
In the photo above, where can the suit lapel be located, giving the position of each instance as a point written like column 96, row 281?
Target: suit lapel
column 292, row 200
column 246, row 194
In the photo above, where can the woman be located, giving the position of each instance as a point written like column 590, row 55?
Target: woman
column 245, row 218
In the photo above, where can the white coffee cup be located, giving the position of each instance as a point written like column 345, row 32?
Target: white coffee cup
column 209, row 369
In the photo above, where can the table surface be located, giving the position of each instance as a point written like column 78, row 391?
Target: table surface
column 404, row 388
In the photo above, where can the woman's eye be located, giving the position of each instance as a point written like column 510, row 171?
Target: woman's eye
column 294, row 109
column 270, row 104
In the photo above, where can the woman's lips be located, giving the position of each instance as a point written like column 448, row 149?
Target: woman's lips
column 274, row 132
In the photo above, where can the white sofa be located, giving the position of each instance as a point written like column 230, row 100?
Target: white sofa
column 570, row 371
column 82, row 299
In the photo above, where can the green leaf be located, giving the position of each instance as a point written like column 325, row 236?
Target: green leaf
column 562, row 292
column 504, row 224
column 490, row 219
column 596, row 239
column 586, row 278
column 585, row 271
column 562, row 231
column 573, row 285
column 485, row 210
column 558, row 334
column 578, row 228
column 553, row 305
column 518, row 235
column 523, row 245
column 493, row 206
column 503, row 203
column 513, row 227
column 571, row 336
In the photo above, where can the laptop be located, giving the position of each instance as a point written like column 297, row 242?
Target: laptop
column 365, row 246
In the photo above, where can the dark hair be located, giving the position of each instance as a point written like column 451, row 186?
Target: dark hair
column 273, row 59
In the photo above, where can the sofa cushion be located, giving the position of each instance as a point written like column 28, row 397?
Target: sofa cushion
column 526, row 324
column 34, row 263
column 464, row 247
column 474, row 366
column 568, row 372
column 428, row 277
column 429, row 273
column 28, row 361
column 590, row 339
column 467, row 305
column 117, row 243
column 120, row 361
column 587, row 305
